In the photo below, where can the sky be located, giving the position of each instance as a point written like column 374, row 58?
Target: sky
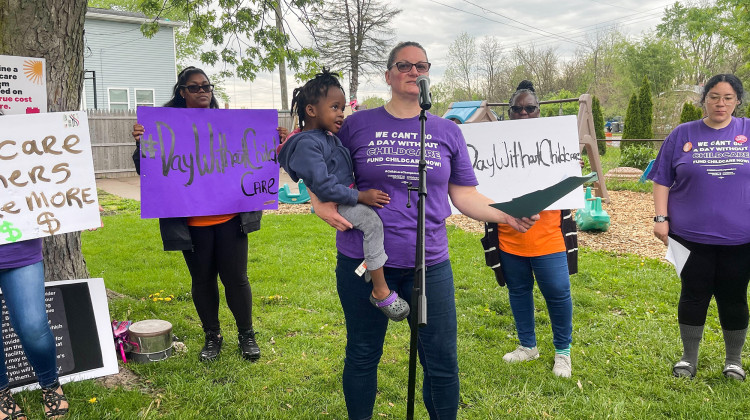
column 563, row 25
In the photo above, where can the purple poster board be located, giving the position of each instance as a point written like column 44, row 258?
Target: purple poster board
column 202, row 162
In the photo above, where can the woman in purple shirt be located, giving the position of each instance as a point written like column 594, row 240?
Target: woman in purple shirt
column 22, row 283
column 701, row 200
column 384, row 145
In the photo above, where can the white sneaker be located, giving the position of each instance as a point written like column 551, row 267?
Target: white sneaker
column 521, row 354
column 562, row 366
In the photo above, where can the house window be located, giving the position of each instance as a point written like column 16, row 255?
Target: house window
column 144, row 97
column 119, row 99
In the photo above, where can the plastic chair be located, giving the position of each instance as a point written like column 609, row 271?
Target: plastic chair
column 646, row 171
column 288, row 197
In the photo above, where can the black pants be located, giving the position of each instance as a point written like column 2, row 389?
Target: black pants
column 721, row 271
column 220, row 250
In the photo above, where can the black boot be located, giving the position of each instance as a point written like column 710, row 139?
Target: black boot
column 248, row 346
column 212, row 347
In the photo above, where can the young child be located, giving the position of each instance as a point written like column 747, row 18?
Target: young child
column 317, row 156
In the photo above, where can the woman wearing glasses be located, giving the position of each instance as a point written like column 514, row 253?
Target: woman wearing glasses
column 211, row 245
column 701, row 201
column 548, row 252
column 384, row 145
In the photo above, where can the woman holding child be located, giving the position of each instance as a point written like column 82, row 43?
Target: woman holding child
column 384, row 144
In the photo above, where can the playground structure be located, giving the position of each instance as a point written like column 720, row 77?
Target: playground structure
column 468, row 112
column 286, row 195
column 592, row 216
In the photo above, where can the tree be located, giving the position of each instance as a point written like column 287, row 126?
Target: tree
column 567, row 108
column 353, row 36
column 52, row 30
column 596, row 109
column 489, row 66
column 653, row 57
column 540, row 66
column 646, row 109
column 639, row 119
column 632, row 121
column 696, row 32
column 239, row 33
column 461, row 72
column 690, row 112
column 372, row 102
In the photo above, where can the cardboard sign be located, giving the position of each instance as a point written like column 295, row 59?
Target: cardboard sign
column 79, row 319
column 200, row 162
column 515, row 157
column 47, row 184
column 23, row 85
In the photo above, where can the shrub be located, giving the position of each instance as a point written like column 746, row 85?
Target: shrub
column 690, row 112
column 637, row 156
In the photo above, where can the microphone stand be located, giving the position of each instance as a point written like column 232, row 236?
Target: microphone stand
column 418, row 317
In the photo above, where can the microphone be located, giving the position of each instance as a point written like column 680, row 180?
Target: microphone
column 425, row 98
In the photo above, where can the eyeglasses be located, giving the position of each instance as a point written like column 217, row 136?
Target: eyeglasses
column 405, row 66
column 198, row 88
column 528, row 108
column 715, row 99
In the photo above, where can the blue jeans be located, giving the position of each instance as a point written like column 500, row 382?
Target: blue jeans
column 551, row 272
column 365, row 331
column 23, row 291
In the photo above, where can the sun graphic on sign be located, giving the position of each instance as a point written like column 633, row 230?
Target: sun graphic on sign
column 34, row 70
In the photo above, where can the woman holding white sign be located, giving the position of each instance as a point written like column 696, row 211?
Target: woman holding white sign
column 213, row 246
column 701, row 203
column 384, row 146
column 548, row 252
column 22, row 283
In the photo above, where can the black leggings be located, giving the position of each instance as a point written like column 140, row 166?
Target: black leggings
column 721, row 271
column 220, row 250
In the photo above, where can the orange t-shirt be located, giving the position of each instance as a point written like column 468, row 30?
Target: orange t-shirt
column 545, row 237
column 218, row 219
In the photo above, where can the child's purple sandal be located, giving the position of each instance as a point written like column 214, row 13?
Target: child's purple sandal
column 392, row 306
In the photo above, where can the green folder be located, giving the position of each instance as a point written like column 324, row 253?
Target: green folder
column 536, row 201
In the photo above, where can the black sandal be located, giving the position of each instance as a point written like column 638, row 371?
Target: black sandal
column 52, row 400
column 9, row 407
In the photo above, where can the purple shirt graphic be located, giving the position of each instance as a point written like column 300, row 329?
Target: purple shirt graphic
column 708, row 171
column 385, row 154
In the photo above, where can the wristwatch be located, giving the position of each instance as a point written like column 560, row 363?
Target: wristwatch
column 661, row 219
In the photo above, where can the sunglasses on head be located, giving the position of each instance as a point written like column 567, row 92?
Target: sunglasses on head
column 197, row 88
column 528, row 108
column 405, row 66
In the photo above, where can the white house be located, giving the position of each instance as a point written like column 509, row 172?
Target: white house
column 123, row 68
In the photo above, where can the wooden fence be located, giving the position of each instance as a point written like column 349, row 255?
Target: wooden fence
column 112, row 144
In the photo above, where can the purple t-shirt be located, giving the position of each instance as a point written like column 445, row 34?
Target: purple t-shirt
column 385, row 154
column 20, row 254
column 708, row 172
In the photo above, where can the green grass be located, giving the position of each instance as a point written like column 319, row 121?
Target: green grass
column 625, row 338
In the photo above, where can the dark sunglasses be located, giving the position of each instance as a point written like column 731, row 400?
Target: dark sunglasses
column 198, row 88
column 528, row 108
column 405, row 66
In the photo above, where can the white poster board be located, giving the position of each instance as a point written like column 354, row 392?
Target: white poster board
column 80, row 323
column 47, row 183
column 23, row 85
column 515, row 157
